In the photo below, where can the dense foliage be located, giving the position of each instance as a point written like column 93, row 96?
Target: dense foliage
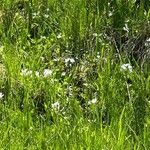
column 75, row 74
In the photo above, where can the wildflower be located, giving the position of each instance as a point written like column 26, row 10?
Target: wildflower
column 69, row 60
column 26, row 72
column 98, row 55
column 34, row 15
column 59, row 36
column 1, row 95
column 126, row 67
column 95, row 34
column 63, row 73
column 56, row 105
column 148, row 40
column 110, row 14
column 46, row 16
column 47, row 72
column 93, row 101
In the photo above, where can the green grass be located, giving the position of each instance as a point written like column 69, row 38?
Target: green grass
column 74, row 74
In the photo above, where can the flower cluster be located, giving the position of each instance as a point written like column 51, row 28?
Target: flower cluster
column 69, row 60
column 26, row 72
column 126, row 67
column 47, row 72
column 93, row 101
column 56, row 106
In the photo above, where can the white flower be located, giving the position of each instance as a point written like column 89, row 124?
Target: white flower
column 69, row 60
column 148, row 40
column 95, row 34
column 63, row 73
column 26, row 72
column 93, row 101
column 1, row 95
column 34, row 15
column 46, row 16
column 59, row 36
column 110, row 14
column 98, row 55
column 56, row 105
column 126, row 67
column 47, row 72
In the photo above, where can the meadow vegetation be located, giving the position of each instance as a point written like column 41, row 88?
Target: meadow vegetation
column 75, row 74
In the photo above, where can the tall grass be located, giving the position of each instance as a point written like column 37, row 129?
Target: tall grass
column 74, row 74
